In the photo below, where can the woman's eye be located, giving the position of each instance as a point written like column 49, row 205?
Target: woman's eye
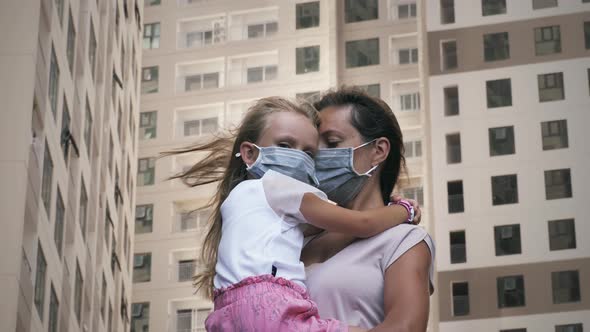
column 332, row 145
column 284, row 145
column 309, row 153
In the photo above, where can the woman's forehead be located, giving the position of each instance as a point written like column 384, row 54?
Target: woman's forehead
column 336, row 119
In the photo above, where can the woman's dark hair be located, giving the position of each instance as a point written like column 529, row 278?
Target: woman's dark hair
column 373, row 119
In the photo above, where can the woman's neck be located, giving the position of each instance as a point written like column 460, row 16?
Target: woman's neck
column 369, row 197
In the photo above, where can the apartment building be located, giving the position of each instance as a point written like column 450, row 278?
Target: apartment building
column 508, row 100
column 204, row 63
column 70, row 105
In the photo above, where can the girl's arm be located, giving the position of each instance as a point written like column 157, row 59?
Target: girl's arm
column 362, row 224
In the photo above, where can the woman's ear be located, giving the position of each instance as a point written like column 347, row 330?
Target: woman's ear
column 382, row 149
column 248, row 153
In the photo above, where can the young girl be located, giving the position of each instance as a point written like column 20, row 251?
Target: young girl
column 265, row 194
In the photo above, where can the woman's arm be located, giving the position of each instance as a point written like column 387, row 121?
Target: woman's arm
column 407, row 291
column 363, row 224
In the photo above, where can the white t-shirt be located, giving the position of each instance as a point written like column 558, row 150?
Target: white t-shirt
column 260, row 230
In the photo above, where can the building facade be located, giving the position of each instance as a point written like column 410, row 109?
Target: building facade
column 204, row 63
column 508, row 99
column 70, row 105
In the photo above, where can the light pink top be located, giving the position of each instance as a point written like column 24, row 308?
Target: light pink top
column 349, row 285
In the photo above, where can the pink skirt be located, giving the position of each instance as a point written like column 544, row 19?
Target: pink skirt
column 265, row 303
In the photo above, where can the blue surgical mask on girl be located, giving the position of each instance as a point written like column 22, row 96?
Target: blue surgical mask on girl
column 290, row 162
column 337, row 176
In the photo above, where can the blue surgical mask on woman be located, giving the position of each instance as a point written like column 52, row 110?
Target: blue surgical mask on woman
column 291, row 162
column 337, row 176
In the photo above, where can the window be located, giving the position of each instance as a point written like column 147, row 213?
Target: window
column 92, row 50
column 360, row 53
column 453, row 148
column 554, row 134
column 514, row 330
column 449, row 54
column 186, row 270
column 262, row 73
column 507, row 239
column 149, row 79
column 504, row 189
column 413, row 149
column 496, row 46
column 570, row 327
column 307, row 15
column 151, row 35
column 360, row 10
column 59, row 6
column 460, row 298
column 148, row 122
column 458, row 247
column 540, row 4
column 200, row 127
column 587, row 35
column 547, row 40
column 455, row 196
column 71, row 43
column 510, row 291
column 88, row 127
column 53, row 310
column 142, row 267
column 40, row 273
column 149, row 3
column 83, row 214
column 406, row 11
column 201, row 81
column 562, row 234
column 107, row 227
column 499, row 93
column 373, row 90
column 447, row 11
column 310, row 97
column 501, row 141
column 58, row 232
column 307, row 59
column 415, row 193
column 566, row 286
column 407, row 56
column 65, row 136
column 140, row 317
column 53, row 82
column 78, row 286
column 144, row 217
column 184, row 319
column 410, row 102
column 192, row 220
column 103, row 297
column 551, row 87
column 47, row 181
column 262, row 30
column 451, row 100
column 558, row 184
column 146, row 171
column 201, row 317
column 493, row 7
column 110, row 321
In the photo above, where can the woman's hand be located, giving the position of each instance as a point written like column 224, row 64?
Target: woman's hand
column 417, row 212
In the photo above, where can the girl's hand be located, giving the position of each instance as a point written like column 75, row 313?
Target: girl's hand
column 417, row 212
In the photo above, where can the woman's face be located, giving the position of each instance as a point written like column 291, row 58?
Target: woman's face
column 336, row 131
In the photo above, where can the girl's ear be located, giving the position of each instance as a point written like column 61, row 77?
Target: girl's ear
column 382, row 149
column 248, row 153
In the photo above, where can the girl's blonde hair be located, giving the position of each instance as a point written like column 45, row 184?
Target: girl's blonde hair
column 221, row 165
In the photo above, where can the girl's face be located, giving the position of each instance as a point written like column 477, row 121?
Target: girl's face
column 336, row 131
column 287, row 130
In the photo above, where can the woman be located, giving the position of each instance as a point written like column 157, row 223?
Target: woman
column 384, row 282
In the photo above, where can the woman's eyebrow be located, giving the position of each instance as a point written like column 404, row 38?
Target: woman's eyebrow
column 329, row 132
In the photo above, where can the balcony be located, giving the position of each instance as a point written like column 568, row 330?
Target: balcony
column 254, row 24
column 201, row 32
column 252, row 69
column 198, row 76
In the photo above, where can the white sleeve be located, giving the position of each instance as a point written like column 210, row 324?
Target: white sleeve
column 284, row 195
